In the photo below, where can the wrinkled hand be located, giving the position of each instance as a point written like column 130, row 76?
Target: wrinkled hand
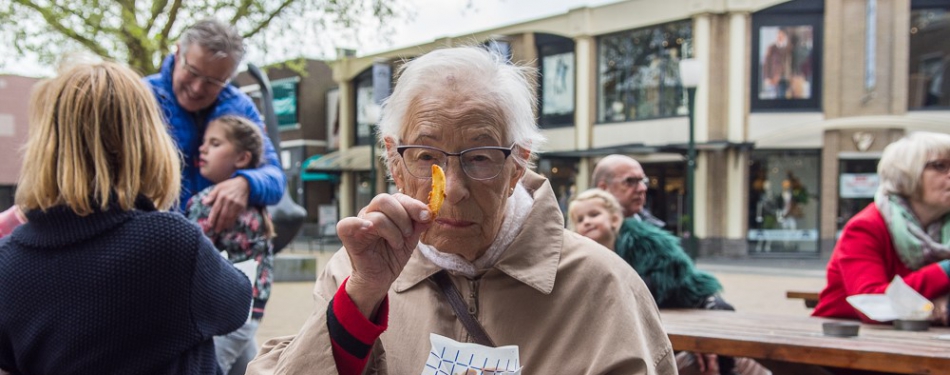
column 707, row 363
column 380, row 241
column 227, row 199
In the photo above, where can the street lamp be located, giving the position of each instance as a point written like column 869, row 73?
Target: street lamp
column 691, row 73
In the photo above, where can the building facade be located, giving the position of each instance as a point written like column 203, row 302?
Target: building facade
column 797, row 101
column 300, row 90
column 14, row 123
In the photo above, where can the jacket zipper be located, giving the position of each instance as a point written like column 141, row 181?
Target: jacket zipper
column 472, row 305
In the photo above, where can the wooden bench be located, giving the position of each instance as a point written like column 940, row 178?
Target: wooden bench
column 810, row 298
column 799, row 339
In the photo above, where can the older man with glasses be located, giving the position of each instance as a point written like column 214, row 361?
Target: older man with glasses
column 193, row 89
column 623, row 177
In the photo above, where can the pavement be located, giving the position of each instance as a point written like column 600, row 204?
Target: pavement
column 750, row 284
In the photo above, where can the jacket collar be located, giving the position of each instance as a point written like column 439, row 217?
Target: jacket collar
column 528, row 260
column 60, row 226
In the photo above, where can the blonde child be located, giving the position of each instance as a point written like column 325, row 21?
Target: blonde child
column 101, row 279
column 597, row 215
column 232, row 143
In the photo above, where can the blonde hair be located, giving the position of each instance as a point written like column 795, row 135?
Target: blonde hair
column 246, row 136
column 902, row 163
column 607, row 200
column 97, row 136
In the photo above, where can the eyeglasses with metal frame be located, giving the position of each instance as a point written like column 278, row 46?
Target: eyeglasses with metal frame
column 197, row 75
column 634, row 181
column 478, row 163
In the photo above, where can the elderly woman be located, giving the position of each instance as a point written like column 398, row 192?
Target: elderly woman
column 905, row 232
column 570, row 306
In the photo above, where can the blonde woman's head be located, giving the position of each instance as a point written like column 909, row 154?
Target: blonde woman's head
column 97, row 138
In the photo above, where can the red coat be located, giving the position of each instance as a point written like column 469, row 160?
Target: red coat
column 865, row 261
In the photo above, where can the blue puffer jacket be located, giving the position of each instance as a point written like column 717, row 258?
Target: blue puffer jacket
column 266, row 183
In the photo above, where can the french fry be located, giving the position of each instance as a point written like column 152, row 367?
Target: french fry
column 437, row 194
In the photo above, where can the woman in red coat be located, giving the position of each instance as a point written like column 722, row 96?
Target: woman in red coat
column 906, row 231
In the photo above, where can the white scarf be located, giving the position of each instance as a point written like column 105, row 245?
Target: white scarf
column 518, row 206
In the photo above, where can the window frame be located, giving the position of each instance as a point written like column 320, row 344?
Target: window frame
column 600, row 117
column 786, row 19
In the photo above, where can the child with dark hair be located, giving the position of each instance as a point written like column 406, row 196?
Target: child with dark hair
column 232, row 143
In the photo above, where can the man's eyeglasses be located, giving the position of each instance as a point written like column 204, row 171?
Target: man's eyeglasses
column 195, row 74
column 479, row 163
column 939, row 165
column 634, row 181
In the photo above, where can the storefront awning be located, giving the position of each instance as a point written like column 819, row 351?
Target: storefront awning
column 640, row 148
column 354, row 159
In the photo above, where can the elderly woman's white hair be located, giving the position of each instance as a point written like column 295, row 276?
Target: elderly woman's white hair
column 485, row 74
column 903, row 162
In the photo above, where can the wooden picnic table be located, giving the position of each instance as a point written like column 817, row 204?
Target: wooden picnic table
column 800, row 340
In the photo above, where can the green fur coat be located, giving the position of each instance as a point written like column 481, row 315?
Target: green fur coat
column 665, row 268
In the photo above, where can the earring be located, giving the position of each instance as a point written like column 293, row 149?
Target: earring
column 511, row 191
column 400, row 190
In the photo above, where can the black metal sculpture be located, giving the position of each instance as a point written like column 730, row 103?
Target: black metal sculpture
column 287, row 215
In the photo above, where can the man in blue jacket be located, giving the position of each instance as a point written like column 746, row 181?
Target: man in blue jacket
column 192, row 89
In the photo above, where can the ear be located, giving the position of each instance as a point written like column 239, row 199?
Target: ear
column 394, row 161
column 243, row 160
column 519, row 170
column 602, row 185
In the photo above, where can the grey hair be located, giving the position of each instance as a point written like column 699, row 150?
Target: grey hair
column 479, row 72
column 902, row 163
column 217, row 37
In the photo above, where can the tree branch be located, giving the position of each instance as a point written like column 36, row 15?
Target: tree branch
column 157, row 7
column 172, row 16
column 269, row 18
column 241, row 11
column 53, row 21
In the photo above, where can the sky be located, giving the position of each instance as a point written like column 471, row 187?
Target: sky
column 429, row 20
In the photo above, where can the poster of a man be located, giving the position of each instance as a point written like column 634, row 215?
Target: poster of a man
column 785, row 60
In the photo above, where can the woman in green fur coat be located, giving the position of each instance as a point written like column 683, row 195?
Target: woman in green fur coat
column 666, row 268
column 653, row 252
column 659, row 259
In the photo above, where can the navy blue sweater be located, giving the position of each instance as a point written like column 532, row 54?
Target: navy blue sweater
column 115, row 292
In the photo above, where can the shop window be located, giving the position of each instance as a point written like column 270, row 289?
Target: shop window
column 7, row 194
column 857, row 184
column 373, row 85
column 638, row 72
column 784, row 201
column 562, row 174
column 929, row 79
column 556, row 67
column 285, row 102
column 786, row 66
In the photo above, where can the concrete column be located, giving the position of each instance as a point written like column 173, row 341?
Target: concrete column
column 347, row 119
column 845, row 58
column 702, row 27
column 585, row 105
column 737, row 169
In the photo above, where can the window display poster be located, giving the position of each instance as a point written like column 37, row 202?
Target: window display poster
column 786, row 69
column 333, row 119
column 285, row 102
column 858, row 185
column 366, row 112
column 558, row 84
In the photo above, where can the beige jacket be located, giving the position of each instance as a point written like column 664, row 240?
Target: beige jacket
column 571, row 306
